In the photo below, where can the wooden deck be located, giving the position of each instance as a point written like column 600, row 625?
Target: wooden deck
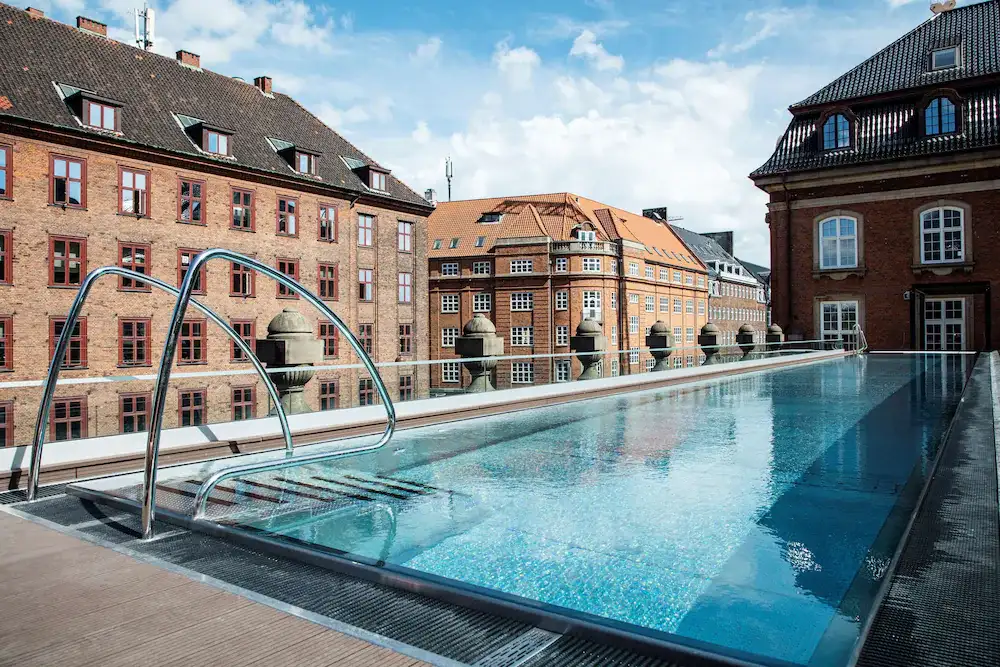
column 69, row 602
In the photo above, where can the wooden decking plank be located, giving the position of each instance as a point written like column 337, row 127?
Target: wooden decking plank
column 317, row 651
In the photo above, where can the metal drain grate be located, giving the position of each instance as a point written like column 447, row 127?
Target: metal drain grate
column 20, row 495
column 521, row 650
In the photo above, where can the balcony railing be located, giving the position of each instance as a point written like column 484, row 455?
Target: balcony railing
column 602, row 247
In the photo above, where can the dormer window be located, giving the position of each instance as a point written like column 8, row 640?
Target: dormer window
column 836, row 132
column 377, row 181
column 944, row 58
column 305, row 163
column 100, row 116
column 490, row 218
column 939, row 117
column 216, row 142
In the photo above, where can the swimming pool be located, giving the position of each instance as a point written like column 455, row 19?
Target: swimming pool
column 753, row 516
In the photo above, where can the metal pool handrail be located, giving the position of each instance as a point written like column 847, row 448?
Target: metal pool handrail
column 166, row 364
column 49, row 387
column 862, row 339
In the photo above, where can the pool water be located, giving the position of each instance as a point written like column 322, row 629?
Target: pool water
column 756, row 515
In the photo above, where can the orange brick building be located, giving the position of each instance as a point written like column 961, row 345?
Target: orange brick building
column 110, row 155
column 536, row 265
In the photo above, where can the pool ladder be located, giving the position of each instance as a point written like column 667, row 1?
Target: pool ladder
column 862, row 340
column 183, row 299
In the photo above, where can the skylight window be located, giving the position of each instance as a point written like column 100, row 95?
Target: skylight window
column 490, row 218
column 454, row 243
column 437, row 244
column 944, row 58
column 480, row 241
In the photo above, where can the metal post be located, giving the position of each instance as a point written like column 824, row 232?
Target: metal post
column 49, row 387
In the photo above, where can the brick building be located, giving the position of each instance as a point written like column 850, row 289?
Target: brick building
column 735, row 295
column 883, row 193
column 113, row 155
column 537, row 265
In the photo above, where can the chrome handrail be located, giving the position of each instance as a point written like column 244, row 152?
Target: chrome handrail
column 862, row 339
column 166, row 364
column 49, row 388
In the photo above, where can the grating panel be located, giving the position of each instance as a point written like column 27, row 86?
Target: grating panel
column 521, row 650
column 20, row 495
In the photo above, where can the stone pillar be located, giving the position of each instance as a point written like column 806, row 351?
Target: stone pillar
column 745, row 339
column 291, row 342
column 590, row 340
column 660, row 337
column 774, row 338
column 709, row 342
column 479, row 339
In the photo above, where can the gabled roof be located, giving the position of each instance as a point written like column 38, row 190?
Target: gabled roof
column 762, row 273
column 550, row 216
column 39, row 55
column 904, row 64
column 706, row 248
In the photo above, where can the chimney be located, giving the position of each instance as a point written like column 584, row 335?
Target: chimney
column 35, row 13
column 725, row 239
column 263, row 83
column 90, row 25
column 189, row 59
column 431, row 196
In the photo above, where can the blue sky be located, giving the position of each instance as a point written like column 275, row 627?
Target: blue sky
column 637, row 103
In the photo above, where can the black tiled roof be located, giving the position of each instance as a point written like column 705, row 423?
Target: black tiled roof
column 762, row 273
column 705, row 248
column 904, row 64
column 38, row 54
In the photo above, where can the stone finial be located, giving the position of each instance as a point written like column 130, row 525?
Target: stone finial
column 745, row 339
column 709, row 342
column 590, row 341
column 479, row 326
column 660, row 341
column 478, row 341
column 291, row 342
column 774, row 338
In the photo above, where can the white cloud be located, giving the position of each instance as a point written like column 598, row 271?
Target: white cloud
column 427, row 50
column 762, row 25
column 586, row 46
column 517, row 65
column 422, row 133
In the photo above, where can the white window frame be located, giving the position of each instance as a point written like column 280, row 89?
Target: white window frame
column 837, row 239
column 522, row 372
column 449, row 269
column 522, row 336
column 614, row 368
column 592, row 300
column 562, row 335
column 562, row 265
column 592, row 264
column 664, row 304
column 562, row 300
column 449, row 303
column 650, row 275
column 451, row 372
column 448, row 336
column 482, row 302
column 837, row 309
column 633, row 324
column 633, row 269
column 633, row 298
column 650, row 304
column 678, row 307
column 689, row 306
column 564, row 370
column 522, row 266
column 678, row 277
column 480, row 268
column 521, row 302
column 689, row 335
column 943, row 213
column 633, row 357
column 614, row 301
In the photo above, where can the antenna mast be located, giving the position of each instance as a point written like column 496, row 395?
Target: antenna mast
column 449, row 171
column 144, row 22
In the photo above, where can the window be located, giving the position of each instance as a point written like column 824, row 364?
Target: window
column 191, row 407
column 562, row 265
column 522, row 336
column 76, row 351
column 406, row 236
column 480, row 268
column 522, row 372
column 678, row 362
column 592, row 300
column 290, row 267
column 677, row 306
column 6, row 257
column 377, row 180
column 633, row 298
column 701, row 281
column 944, row 58
column 406, row 288
column 480, row 241
column 677, row 277
column 449, row 303
column 449, row 269
column 6, row 176
column 836, row 132
column 944, row 324
column 192, row 342
column 633, row 269
column 133, row 412
column 689, row 335
column 406, row 387
column 633, row 357
column 329, row 280
column 678, row 333
column 562, row 335
column 242, row 280
column 592, row 264
column 664, row 275
column 633, row 324
column 287, row 213
column 366, row 391
column 482, row 303
column 366, row 285
column 366, row 336
column 649, row 364
column 562, row 300
column 191, row 202
column 454, row 243
column 330, row 336
column 329, row 395
column 521, row 266
column 941, row 235
column 664, row 304
column 184, row 258
column 133, row 342
column 614, row 368
column 305, row 163
column 101, row 116
column 247, row 331
column 939, row 117
column 689, row 360
column 215, row 142
column 405, row 339
column 68, row 420
column 242, row 210
column 563, row 370
column 451, row 372
column 614, row 335
column 366, row 229
column 838, row 318
column 838, row 243
column 701, row 306
column 448, row 336
column 134, row 257
column 614, row 301
column 134, row 189
column 244, row 403
column 649, row 273
column 522, row 301
column 650, row 304
column 688, row 279
column 68, row 260
column 6, row 345
column 689, row 307
column 328, row 223
column 437, row 244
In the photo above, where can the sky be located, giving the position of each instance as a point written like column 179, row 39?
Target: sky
column 635, row 103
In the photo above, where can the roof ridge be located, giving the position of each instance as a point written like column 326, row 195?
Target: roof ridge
column 537, row 218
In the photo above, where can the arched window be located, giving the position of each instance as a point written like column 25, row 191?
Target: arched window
column 942, row 235
column 838, row 243
column 836, row 132
column 939, row 117
column 584, row 233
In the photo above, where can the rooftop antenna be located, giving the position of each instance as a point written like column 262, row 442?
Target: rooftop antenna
column 144, row 25
column 449, row 171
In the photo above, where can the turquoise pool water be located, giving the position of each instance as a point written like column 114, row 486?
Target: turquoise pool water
column 756, row 515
